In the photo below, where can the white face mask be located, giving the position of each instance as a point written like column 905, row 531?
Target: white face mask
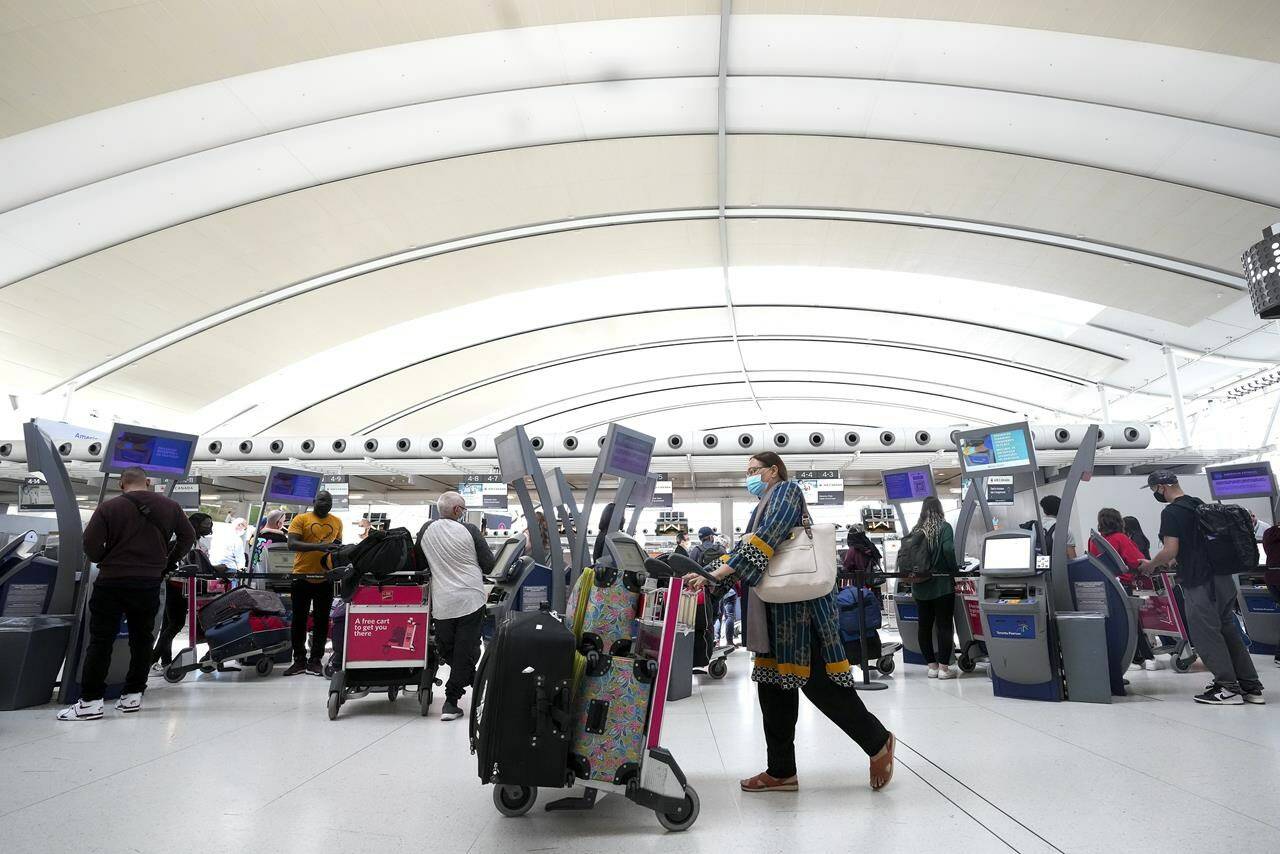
column 205, row 543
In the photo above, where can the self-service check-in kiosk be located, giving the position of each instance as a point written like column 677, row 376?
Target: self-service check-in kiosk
column 1015, row 601
column 1258, row 608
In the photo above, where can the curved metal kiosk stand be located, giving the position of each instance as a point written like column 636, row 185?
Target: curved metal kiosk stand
column 625, row 454
column 1097, row 592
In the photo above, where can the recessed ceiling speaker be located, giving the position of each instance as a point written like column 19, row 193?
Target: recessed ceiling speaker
column 277, row 446
column 923, row 437
column 339, row 446
column 403, row 445
column 816, row 439
column 781, row 439
column 436, row 445
column 570, row 443
column 675, row 441
column 887, row 437
column 469, row 444
column 65, row 449
column 246, row 446
column 370, row 445
column 710, row 440
column 6, row 449
column 215, row 447
column 536, row 443
column 852, row 439
column 308, row 446
column 1062, row 435
column 1261, row 263
column 1132, row 434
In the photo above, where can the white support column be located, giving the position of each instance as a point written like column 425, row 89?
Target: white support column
column 1175, row 390
column 726, row 517
column 1106, row 404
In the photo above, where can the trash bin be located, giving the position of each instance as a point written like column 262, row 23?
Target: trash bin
column 31, row 654
column 1083, row 638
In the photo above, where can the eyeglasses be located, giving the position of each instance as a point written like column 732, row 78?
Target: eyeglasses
column 756, row 469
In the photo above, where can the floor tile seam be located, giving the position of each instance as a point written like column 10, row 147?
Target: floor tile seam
column 1202, row 728
column 144, row 763
column 1146, row 774
column 330, row 767
column 29, row 743
column 898, row 760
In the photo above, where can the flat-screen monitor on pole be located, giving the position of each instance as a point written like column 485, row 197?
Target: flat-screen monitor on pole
column 1242, row 480
column 909, row 484
column 1004, row 449
column 295, row 487
column 627, row 453
column 160, row 453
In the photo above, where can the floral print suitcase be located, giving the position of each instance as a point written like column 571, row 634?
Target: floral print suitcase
column 608, row 614
column 609, row 717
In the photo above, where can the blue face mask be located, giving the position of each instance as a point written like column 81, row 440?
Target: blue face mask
column 755, row 485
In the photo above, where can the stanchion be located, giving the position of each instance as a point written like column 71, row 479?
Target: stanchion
column 859, row 580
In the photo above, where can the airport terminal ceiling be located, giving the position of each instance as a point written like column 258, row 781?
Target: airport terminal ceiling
column 682, row 216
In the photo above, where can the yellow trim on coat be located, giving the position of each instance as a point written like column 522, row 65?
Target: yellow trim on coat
column 753, row 540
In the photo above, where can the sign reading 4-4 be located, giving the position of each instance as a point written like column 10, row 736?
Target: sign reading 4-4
column 822, row 487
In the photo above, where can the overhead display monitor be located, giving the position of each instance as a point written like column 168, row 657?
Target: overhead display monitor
column 511, row 460
column 157, row 452
column 1005, row 449
column 1008, row 553
column 1243, row 480
column 292, row 486
column 627, row 453
column 909, row 484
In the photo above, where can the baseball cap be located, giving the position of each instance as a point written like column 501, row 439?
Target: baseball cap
column 705, row 532
column 1162, row 477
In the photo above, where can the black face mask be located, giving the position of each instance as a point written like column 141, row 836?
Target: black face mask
column 1159, row 496
column 323, row 506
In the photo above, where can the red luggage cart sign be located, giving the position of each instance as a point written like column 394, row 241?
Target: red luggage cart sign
column 390, row 637
column 968, row 590
column 391, row 594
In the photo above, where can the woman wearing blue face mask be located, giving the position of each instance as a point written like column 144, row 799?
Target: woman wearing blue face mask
column 797, row 645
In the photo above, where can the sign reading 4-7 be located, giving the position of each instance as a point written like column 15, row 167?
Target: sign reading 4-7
column 822, row 488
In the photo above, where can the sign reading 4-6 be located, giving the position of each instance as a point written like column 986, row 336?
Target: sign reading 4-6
column 822, row 488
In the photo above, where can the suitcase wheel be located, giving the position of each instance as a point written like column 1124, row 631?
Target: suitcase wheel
column 684, row 817
column 718, row 669
column 886, row 665
column 515, row 801
column 264, row 666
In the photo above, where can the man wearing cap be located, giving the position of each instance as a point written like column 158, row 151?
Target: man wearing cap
column 706, row 538
column 1210, row 597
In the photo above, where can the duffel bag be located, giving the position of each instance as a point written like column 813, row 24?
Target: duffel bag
column 242, row 600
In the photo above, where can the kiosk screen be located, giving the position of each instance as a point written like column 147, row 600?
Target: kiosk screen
column 997, row 450
column 154, row 451
column 286, row 486
column 1242, row 481
column 1008, row 553
column 630, row 556
column 913, row 484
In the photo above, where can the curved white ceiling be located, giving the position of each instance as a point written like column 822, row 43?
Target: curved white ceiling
column 286, row 218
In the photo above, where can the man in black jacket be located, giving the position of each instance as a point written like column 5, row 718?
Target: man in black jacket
column 130, row 538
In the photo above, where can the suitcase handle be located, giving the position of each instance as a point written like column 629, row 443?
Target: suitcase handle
column 597, row 716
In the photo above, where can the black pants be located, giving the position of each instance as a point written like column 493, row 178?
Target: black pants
column 842, row 706
column 1274, row 590
column 175, row 616
column 458, row 640
column 316, row 600
column 937, row 621
column 107, row 604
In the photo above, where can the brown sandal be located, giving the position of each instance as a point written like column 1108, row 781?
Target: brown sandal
column 882, row 768
column 762, row 782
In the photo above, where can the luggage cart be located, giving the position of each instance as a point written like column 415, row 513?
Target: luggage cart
column 386, row 643
column 1162, row 616
column 968, row 619
column 656, row 782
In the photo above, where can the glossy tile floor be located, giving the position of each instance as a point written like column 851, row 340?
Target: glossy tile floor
column 237, row 763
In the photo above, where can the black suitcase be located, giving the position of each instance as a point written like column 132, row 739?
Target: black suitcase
column 521, row 710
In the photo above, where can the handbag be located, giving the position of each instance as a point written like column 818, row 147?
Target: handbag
column 803, row 567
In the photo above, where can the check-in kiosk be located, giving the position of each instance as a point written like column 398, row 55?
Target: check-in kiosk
column 1017, row 614
column 625, row 454
column 1096, row 589
column 1260, row 610
column 538, row 576
column 907, row 486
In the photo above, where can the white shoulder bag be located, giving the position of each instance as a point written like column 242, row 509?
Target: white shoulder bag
column 803, row 567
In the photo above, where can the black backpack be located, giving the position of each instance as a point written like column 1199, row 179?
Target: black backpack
column 1226, row 538
column 711, row 553
column 915, row 556
column 379, row 555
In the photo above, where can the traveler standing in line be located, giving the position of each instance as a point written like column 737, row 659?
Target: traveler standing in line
column 682, row 543
column 231, row 552
column 706, row 540
column 1271, row 547
column 1210, row 597
column 1051, row 504
column 459, row 558
column 175, row 593
column 1111, row 527
column 128, row 538
column 935, row 596
column 311, row 536
column 1133, row 529
column 797, row 645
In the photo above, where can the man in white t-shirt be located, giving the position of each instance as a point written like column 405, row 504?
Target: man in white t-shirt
column 459, row 558
column 1051, row 504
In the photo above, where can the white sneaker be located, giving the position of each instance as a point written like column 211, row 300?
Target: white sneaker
column 946, row 673
column 933, row 671
column 158, row 670
column 129, row 703
column 82, row 711
column 1153, row 664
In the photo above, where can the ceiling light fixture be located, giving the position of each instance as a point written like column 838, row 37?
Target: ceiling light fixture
column 1254, row 386
column 1261, row 262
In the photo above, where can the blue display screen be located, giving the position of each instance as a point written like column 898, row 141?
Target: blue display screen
column 153, row 454
column 909, row 485
column 995, row 451
column 292, row 487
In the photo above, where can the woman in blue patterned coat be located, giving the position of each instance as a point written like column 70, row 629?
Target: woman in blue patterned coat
column 797, row 645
